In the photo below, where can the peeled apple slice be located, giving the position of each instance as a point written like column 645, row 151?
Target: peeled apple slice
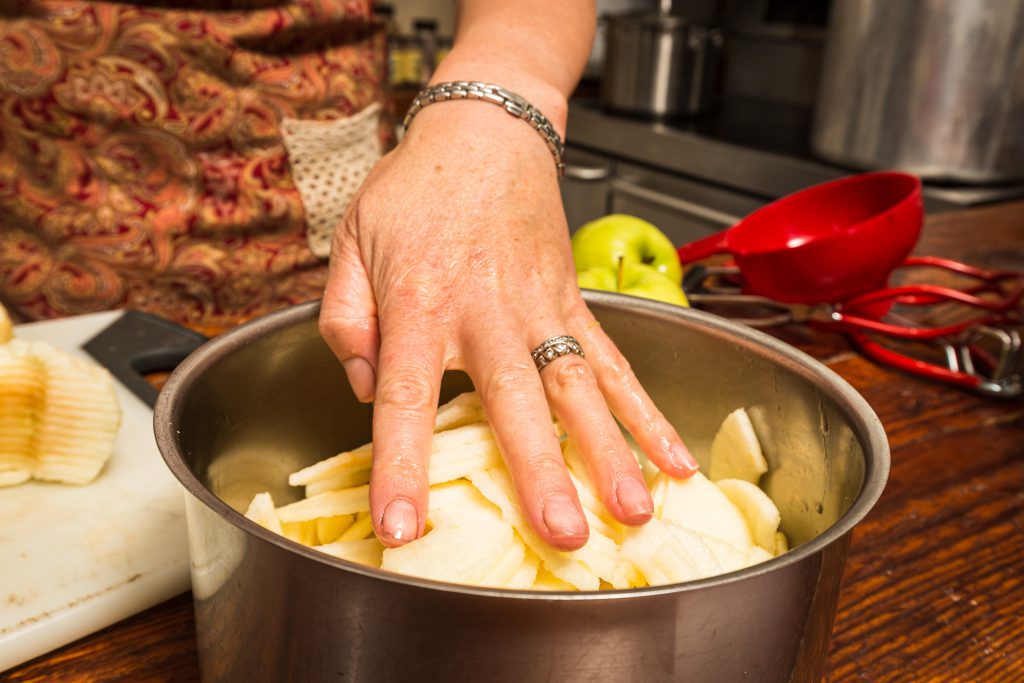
column 758, row 509
column 6, row 326
column 735, row 451
column 22, row 393
column 454, row 454
column 574, row 567
column 665, row 556
column 758, row 555
column 510, row 562
column 526, row 575
column 367, row 551
column 700, row 555
column 301, row 532
column 81, row 417
column 261, row 511
column 330, row 504
column 329, row 529
column 546, row 581
column 781, row 543
column 462, row 410
column 360, row 529
column 729, row 558
column 699, row 505
column 476, row 533
column 469, row 541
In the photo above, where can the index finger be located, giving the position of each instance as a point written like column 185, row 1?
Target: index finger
column 408, row 384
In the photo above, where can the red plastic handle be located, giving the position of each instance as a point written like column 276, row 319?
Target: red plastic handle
column 852, row 323
column 704, row 247
column 879, row 353
column 926, row 295
column 961, row 268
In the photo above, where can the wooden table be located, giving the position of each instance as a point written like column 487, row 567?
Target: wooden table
column 934, row 583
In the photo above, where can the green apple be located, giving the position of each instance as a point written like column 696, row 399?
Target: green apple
column 598, row 278
column 637, row 280
column 601, row 243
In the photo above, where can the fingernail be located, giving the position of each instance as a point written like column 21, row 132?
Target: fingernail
column 362, row 378
column 562, row 518
column 634, row 498
column 682, row 459
column 399, row 522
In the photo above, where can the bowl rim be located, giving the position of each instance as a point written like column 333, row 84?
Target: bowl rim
column 864, row 422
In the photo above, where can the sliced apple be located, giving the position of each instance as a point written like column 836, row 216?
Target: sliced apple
column 468, row 541
column 665, row 557
column 454, row 454
column 758, row 555
column 699, row 505
column 357, row 459
column 261, row 511
column 462, row 410
column 526, row 575
column 510, row 562
column 6, row 326
column 781, row 543
column 627, row 576
column 329, row 504
column 341, row 480
column 735, row 450
column 762, row 516
column 729, row 558
column 575, row 568
column 546, row 581
column 329, row 529
column 360, row 529
column 22, row 403
column 703, row 559
column 368, row 551
column 301, row 532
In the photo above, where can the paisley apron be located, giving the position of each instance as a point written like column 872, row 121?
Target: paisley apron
column 144, row 151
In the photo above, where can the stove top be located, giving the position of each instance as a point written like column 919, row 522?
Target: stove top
column 758, row 147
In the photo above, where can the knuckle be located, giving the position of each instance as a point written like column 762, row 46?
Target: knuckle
column 620, row 372
column 334, row 330
column 332, row 326
column 400, row 474
column 545, row 469
column 342, row 332
column 570, row 373
column 407, row 393
column 509, row 378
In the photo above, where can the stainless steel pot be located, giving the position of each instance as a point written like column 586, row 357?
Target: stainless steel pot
column 934, row 87
column 657, row 64
column 268, row 398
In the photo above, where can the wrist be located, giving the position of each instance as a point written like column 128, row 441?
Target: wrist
column 543, row 95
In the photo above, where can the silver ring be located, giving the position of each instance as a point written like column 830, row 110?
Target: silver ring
column 556, row 347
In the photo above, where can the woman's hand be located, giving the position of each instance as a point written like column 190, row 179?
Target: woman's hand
column 455, row 255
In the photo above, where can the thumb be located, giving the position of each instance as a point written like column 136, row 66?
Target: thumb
column 348, row 318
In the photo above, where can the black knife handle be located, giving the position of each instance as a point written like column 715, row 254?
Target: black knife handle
column 140, row 343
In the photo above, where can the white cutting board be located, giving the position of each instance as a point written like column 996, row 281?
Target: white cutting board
column 75, row 559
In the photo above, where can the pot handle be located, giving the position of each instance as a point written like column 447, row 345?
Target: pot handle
column 140, row 343
column 717, row 243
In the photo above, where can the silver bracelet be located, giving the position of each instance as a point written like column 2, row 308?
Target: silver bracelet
column 511, row 102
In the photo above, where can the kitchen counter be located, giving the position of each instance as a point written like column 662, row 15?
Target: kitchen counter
column 934, row 584
column 750, row 146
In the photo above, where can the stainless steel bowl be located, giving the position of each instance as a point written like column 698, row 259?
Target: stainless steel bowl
column 268, row 398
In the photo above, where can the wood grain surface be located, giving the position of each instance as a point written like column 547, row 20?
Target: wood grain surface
column 933, row 584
